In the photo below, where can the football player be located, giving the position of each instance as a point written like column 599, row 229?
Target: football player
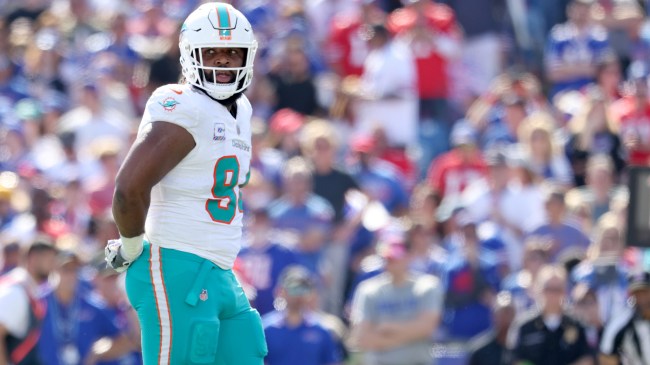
column 178, row 205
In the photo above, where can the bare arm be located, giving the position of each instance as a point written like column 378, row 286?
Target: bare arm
column 585, row 360
column 151, row 157
column 106, row 349
column 4, row 356
column 417, row 329
column 570, row 70
column 365, row 337
column 607, row 359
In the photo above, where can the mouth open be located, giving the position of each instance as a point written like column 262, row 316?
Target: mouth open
column 224, row 77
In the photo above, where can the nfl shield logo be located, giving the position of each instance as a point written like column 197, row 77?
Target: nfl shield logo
column 204, row 295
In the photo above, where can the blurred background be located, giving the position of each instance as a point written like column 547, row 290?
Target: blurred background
column 492, row 137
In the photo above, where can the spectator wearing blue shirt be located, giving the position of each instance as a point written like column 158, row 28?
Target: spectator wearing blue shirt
column 376, row 178
column 295, row 335
column 471, row 278
column 567, row 240
column 503, row 129
column 574, row 48
column 107, row 286
column 75, row 322
column 301, row 212
column 263, row 261
column 520, row 283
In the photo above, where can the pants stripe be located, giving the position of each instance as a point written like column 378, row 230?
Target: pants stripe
column 164, row 317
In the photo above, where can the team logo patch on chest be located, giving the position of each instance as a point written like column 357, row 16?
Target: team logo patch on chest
column 219, row 132
column 169, row 104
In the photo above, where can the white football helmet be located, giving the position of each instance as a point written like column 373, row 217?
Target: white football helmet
column 214, row 25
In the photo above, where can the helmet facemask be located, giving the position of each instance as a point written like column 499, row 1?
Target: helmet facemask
column 204, row 77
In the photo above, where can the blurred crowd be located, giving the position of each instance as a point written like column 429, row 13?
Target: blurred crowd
column 426, row 174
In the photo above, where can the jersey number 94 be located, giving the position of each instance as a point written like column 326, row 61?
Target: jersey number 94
column 225, row 203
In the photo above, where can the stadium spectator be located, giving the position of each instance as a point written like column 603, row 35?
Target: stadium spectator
column 542, row 150
column 386, row 90
column 430, row 30
column 491, row 348
column 550, row 336
column 285, row 126
column 586, row 309
column 320, row 145
column 262, row 261
column 489, row 203
column 632, row 112
column 22, row 311
column 574, row 48
column 377, row 179
column 11, row 256
column 601, row 190
column 566, row 239
column 394, row 314
column 593, row 133
column 471, row 276
column 346, row 47
column 91, row 121
column 303, row 213
column 292, row 80
column 452, row 172
column 75, row 321
column 294, row 334
column 482, row 52
column 109, row 286
column 504, row 130
column 609, row 78
column 520, row 284
column 604, row 271
column 621, row 339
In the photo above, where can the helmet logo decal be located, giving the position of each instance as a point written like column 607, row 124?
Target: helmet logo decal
column 220, row 20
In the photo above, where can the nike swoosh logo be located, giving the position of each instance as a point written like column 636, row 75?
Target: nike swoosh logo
column 248, row 30
column 198, row 30
column 179, row 92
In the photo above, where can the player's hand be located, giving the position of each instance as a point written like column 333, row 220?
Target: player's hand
column 115, row 257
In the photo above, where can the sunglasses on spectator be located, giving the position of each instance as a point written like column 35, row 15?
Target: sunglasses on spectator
column 554, row 289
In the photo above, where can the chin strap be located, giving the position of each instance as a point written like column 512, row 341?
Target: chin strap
column 228, row 102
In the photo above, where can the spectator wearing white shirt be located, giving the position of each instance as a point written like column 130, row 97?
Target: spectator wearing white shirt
column 387, row 91
column 21, row 312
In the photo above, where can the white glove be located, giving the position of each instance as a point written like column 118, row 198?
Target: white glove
column 117, row 258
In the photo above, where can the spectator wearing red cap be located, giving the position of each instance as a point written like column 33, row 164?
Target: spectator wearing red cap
column 285, row 125
column 377, row 178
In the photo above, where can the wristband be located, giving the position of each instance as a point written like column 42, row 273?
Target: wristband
column 132, row 246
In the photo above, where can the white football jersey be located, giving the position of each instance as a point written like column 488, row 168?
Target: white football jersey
column 196, row 207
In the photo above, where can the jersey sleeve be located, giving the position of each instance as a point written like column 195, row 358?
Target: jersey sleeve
column 172, row 104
